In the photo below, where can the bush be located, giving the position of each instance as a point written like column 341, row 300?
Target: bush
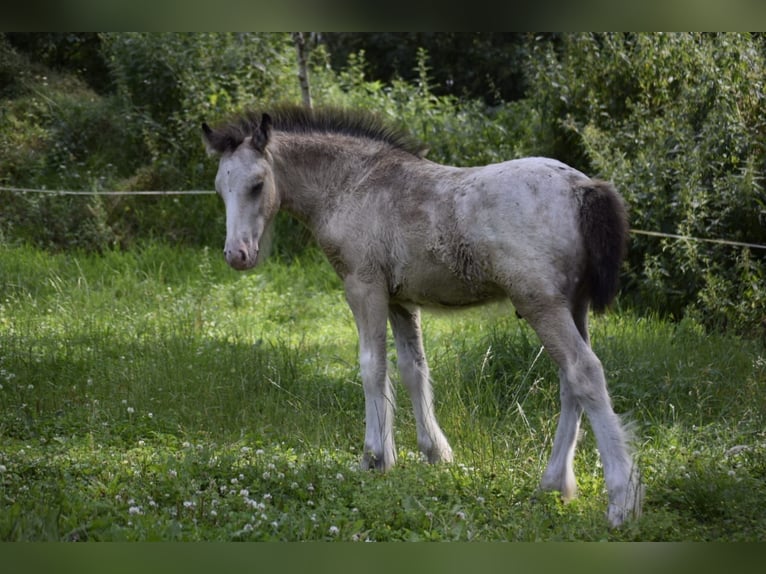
column 145, row 135
column 11, row 66
column 677, row 121
column 58, row 134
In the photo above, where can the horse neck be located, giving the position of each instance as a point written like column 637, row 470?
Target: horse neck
column 313, row 172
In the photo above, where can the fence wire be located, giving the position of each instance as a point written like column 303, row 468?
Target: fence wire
column 210, row 192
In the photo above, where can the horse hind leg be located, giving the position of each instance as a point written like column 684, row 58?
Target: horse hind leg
column 559, row 474
column 583, row 388
column 413, row 368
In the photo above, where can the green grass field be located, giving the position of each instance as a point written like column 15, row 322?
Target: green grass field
column 157, row 395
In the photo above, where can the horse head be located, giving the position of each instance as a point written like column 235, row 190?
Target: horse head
column 245, row 182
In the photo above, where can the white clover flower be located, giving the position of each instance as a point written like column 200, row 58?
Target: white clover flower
column 135, row 510
column 3, row 468
column 339, row 477
column 131, row 410
column 334, row 530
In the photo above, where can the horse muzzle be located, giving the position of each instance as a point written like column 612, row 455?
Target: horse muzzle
column 241, row 256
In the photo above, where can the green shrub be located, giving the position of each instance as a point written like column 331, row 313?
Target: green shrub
column 677, row 121
column 60, row 135
column 11, row 66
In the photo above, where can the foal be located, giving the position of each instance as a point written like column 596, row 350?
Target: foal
column 403, row 232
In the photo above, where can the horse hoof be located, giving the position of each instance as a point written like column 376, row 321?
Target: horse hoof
column 436, row 456
column 370, row 461
column 630, row 509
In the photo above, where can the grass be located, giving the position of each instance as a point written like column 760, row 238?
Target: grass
column 157, row 395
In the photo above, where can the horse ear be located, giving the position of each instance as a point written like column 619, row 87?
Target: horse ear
column 207, row 134
column 262, row 134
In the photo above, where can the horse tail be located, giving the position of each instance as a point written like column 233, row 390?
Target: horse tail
column 604, row 226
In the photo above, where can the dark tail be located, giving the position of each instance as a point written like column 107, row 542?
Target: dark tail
column 604, row 225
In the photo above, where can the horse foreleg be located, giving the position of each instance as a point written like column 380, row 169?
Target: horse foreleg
column 413, row 367
column 369, row 304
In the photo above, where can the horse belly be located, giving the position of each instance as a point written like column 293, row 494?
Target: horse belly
column 438, row 287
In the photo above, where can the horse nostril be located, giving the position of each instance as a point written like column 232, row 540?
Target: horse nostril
column 243, row 255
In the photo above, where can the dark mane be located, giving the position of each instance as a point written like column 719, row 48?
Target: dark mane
column 298, row 119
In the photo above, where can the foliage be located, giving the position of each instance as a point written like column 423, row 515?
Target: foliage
column 677, row 122
column 456, row 131
column 11, row 66
column 57, row 133
column 484, row 66
column 155, row 394
column 144, row 136
column 78, row 54
column 174, row 82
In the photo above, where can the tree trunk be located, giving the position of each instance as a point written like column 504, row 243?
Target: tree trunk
column 303, row 73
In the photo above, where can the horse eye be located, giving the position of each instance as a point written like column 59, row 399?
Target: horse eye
column 256, row 189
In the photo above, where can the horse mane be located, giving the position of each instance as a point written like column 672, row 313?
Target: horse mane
column 299, row 119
